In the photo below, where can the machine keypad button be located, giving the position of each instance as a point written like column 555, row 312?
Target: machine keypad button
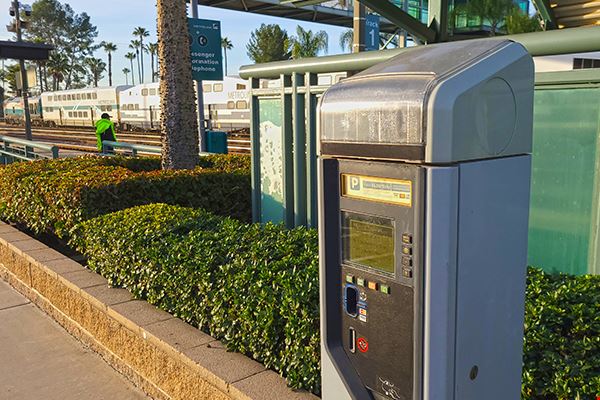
column 406, row 238
column 350, row 278
column 384, row 289
column 360, row 281
column 407, row 272
column 407, row 261
column 373, row 285
column 407, row 250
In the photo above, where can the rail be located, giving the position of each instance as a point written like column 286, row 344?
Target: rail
column 13, row 149
column 107, row 145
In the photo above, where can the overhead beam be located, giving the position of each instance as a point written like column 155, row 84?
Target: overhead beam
column 543, row 7
column 401, row 19
column 438, row 19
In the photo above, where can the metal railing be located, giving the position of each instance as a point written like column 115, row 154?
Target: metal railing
column 131, row 148
column 283, row 126
column 13, row 149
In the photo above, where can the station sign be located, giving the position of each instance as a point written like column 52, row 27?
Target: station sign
column 205, row 49
column 372, row 32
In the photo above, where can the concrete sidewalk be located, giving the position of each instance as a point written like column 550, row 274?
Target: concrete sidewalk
column 40, row 360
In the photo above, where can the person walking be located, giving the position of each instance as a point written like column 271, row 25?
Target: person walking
column 105, row 130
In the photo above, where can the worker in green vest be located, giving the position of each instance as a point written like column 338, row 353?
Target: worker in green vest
column 105, row 130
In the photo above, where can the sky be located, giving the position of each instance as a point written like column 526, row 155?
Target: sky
column 116, row 20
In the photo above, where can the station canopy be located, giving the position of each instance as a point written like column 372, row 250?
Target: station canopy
column 574, row 13
column 328, row 12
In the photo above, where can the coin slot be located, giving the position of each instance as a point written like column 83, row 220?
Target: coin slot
column 352, row 340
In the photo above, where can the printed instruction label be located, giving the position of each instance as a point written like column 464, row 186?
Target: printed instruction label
column 383, row 190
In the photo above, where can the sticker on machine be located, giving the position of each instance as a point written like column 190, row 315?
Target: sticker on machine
column 383, row 190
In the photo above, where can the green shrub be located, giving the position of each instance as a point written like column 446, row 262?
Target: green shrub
column 255, row 287
column 54, row 195
column 562, row 337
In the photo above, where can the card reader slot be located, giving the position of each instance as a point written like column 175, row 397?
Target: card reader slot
column 351, row 300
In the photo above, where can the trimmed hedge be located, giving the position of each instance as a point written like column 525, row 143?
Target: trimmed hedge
column 54, row 195
column 562, row 337
column 255, row 287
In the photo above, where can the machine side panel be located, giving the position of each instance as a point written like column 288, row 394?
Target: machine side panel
column 441, row 217
column 492, row 259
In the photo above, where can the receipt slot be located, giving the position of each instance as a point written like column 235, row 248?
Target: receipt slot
column 424, row 174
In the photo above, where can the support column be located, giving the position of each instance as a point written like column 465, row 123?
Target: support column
column 358, row 25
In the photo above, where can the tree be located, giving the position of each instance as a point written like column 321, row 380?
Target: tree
column 519, row 22
column 71, row 34
column 131, row 56
column 57, row 65
column 109, row 48
column 493, row 12
column 141, row 32
column 307, row 43
column 11, row 72
column 96, row 67
column 268, row 43
column 135, row 45
column 226, row 45
column 346, row 39
column 179, row 122
column 126, row 71
column 153, row 50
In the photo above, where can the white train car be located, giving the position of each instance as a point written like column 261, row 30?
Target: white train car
column 226, row 105
column 81, row 107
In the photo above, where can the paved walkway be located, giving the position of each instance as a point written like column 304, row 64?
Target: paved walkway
column 40, row 360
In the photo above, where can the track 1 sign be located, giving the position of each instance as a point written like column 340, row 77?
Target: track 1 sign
column 372, row 32
column 205, row 49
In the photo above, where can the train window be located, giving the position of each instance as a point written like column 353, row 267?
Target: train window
column 70, row 114
column 144, row 92
column 79, row 114
column 94, row 96
column 239, row 86
column 85, row 114
column 137, row 106
column 78, row 96
column 108, row 108
column 241, row 104
column 88, row 96
column 218, row 87
column 152, row 92
column 230, row 105
column 207, row 88
column 49, row 98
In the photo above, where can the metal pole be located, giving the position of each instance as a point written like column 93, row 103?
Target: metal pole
column 24, row 82
column 358, row 25
column 201, row 133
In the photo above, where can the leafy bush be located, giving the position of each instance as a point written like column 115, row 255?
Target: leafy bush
column 54, row 195
column 255, row 287
column 562, row 337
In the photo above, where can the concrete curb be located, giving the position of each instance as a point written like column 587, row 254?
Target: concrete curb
column 162, row 355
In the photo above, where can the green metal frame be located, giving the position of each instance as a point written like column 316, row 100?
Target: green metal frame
column 25, row 150
column 402, row 19
column 543, row 7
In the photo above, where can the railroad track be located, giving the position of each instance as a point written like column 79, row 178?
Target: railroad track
column 79, row 140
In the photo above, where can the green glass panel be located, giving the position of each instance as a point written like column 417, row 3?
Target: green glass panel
column 271, row 160
column 563, row 201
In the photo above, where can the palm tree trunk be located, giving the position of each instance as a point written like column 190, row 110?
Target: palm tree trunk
column 142, row 57
column 109, row 69
column 225, row 61
column 139, row 67
column 179, row 123
column 132, row 72
column 152, row 65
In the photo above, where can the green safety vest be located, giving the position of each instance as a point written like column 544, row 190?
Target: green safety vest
column 105, row 129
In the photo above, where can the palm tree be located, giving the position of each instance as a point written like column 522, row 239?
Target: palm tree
column 96, row 67
column 307, row 43
column 58, row 64
column 135, row 45
column 131, row 56
column 179, row 123
column 226, row 45
column 153, row 50
column 126, row 71
column 109, row 48
column 141, row 32
column 346, row 39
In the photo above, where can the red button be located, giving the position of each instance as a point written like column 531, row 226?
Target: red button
column 363, row 345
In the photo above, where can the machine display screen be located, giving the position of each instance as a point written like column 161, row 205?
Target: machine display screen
column 368, row 241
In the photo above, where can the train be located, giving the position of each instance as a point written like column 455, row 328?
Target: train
column 226, row 106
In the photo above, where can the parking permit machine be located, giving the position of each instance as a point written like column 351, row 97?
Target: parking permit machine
column 424, row 174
